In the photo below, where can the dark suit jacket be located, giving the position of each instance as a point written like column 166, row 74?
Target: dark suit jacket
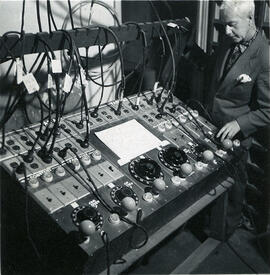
column 247, row 103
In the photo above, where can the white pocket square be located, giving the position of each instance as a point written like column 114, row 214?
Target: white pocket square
column 243, row 78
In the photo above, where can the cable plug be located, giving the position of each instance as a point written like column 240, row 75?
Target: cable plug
column 63, row 153
column 94, row 114
column 28, row 157
column 2, row 150
column 135, row 107
column 158, row 98
column 85, row 143
column 20, row 168
column 118, row 110
column 139, row 216
column 79, row 124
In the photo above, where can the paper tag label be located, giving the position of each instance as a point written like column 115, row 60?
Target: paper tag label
column 56, row 66
column 50, row 82
column 30, row 83
column 67, row 84
column 19, row 71
column 84, row 81
column 173, row 25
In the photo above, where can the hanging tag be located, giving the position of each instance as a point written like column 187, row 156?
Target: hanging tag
column 56, row 66
column 172, row 25
column 84, row 81
column 50, row 82
column 67, row 84
column 19, row 71
column 30, row 83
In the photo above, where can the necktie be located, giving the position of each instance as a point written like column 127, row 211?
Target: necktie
column 233, row 56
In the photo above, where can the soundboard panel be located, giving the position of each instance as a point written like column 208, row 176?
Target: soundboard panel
column 86, row 188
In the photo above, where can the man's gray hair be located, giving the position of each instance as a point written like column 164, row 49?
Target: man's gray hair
column 241, row 7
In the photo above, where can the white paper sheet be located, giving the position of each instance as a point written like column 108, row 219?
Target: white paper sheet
column 128, row 140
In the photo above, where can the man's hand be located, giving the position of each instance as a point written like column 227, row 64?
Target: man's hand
column 229, row 130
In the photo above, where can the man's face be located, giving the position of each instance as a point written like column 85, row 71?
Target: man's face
column 236, row 25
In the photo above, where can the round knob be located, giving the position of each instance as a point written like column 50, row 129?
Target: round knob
column 185, row 112
column 86, row 160
column 175, row 123
column 176, row 180
column 182, row 118
column 96, row 155
column 168, row 124
column 208, row 155
column 195, row 113
column 236, row 143
column 199, row 165
column 161, row 128
column 87, row 228
column 186, row 169
column 33, row 182
column 114, row 218
column 76, row 165
column 227, row 144
column 60, row 171
column 159, row 184
column 147, row 197
column 129, row 204
column 47, row 176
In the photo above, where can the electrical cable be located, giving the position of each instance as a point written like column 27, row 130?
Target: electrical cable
column 103, row 202
column 23, row 12
column 112, row 13
column 172, row 55
column 141, row 33
column 44, row 153
column 209, row 117
column 197, row 141
column 22, row 165
column 106, row 242
column 70, row 15
column 50, row 16
column 94, row 113
column 38, row 16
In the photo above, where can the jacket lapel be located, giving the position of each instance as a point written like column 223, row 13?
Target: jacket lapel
column 243, row 65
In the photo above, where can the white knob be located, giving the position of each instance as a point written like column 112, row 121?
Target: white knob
column 199, row 165
column 47, row 176
column 208, row 155
column 182, row 118
column 33, row 182
column 148, row 197
column 114, row 218
column 86, row 160
column 76, row 164
column 96, row 155
column 236, row 143
column 161, row 128
column 176, row 180
column 60, row 171
column 168, row 124
column 195, row 113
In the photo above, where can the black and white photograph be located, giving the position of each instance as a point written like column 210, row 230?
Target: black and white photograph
column 134, row 137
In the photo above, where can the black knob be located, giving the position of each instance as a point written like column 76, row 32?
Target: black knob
column 135, row 107
column 94, row 114
column 79, row 124
column 84, row 144
column 28, row 157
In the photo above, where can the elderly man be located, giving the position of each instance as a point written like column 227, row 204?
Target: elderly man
column 239, row 94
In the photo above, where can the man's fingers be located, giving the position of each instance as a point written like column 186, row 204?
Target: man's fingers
column 224, row 134
column 220, row 132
